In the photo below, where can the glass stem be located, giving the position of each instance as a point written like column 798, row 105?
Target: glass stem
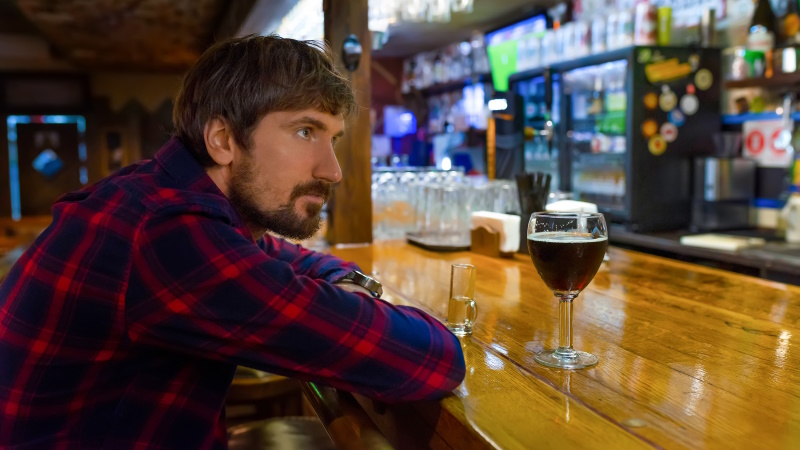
column 565, row 350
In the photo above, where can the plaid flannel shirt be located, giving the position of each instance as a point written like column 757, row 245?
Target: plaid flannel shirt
column 122, row 325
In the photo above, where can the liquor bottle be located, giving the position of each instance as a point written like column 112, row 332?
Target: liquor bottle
column 790, row 24
column 762, row 28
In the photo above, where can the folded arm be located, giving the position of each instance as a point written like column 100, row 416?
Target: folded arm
column 306, row 262
column 198, row 286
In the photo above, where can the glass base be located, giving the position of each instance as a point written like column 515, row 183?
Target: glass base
column 550, row 358
column 460, row 331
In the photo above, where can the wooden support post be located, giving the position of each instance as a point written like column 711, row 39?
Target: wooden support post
column 350, row 209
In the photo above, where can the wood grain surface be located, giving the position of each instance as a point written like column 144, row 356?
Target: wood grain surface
column 690, row 357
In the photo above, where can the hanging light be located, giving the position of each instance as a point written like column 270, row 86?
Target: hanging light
column 439, row 10
column 463, row 6
column 384, row 13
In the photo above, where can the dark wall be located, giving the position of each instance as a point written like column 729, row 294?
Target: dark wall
column 131, row 112
column 385, row 74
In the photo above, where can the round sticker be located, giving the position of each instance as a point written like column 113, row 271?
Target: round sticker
column 657, row 145
column 651, row 100
column 677, row 117
column 667, row 100
column 689, row 104
column 669, row 132
column 703, row 79
column 649, row 128
column 645, row 55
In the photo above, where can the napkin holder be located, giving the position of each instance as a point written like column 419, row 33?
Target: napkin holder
column 487, row 242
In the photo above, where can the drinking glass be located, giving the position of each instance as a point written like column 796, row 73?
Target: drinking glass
column 566, row 249
column 461, row 309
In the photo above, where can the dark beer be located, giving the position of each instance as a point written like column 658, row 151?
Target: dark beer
column 566, row 261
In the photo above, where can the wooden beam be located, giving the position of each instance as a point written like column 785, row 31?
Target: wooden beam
column 232, row 18
column 350, row 209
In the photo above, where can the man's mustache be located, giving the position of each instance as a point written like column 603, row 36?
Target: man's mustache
column 318, row 188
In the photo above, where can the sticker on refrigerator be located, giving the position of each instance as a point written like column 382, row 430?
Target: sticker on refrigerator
column 657, row 145
column 694, row 61
column 651, row 100
column 645, row 55
column 668, row 70
column 689, row 104
column 703, row 79
column 667, row 100
column 677, row 117
column 669, row 132
column 649, row 128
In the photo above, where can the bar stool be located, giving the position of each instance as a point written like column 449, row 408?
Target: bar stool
column 283, row 433
column 263, row 413
column 256, row 395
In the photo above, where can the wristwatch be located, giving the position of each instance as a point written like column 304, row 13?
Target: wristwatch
column 371, row 284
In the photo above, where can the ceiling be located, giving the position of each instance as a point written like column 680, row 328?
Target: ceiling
column 116, row 34
column 407, row 38
column 12, row 21
column 169, row 35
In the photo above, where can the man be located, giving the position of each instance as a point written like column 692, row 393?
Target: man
column 123, row 324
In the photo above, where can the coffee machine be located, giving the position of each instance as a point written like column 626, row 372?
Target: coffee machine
column 724, row 189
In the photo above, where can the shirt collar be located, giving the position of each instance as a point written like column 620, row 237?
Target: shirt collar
column 181, row 165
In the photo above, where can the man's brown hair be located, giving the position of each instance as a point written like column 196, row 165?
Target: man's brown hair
column 241, row 80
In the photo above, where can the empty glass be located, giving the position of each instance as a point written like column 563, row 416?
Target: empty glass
column 461, row 309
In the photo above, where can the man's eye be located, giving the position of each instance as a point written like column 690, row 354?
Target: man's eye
column 334, row 141
column 304, row 133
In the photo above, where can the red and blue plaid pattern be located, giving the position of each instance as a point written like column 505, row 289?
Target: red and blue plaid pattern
column 122, row 325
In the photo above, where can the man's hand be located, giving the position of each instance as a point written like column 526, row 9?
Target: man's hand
column 349, row 286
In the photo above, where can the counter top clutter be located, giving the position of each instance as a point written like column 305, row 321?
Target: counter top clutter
column 754, row 252
column 690, row 357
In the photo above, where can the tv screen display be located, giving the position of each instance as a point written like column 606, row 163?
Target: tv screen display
column 501, row 46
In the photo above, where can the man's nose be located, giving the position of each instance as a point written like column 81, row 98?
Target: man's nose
column 328, row 167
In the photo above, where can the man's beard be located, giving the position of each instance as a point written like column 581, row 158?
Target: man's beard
column 284, row 220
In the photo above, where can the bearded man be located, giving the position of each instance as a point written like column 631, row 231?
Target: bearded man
column 123, row 324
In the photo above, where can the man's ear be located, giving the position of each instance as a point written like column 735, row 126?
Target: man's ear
column 219, row 140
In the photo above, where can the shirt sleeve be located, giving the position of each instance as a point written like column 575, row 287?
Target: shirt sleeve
column 198, row 286
column 306, row 262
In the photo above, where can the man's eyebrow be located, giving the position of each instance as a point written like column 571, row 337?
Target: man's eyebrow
column 306, row 120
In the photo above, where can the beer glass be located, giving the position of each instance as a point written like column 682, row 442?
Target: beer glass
column 566, row 249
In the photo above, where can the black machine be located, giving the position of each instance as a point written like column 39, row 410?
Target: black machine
column 628, row 125
column 506, row 110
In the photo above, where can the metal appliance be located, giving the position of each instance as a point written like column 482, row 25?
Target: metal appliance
column 723, row 191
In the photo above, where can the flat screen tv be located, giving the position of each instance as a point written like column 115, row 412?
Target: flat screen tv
column 501, row 46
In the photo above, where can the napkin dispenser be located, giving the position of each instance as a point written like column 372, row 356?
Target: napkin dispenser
column 494, row 234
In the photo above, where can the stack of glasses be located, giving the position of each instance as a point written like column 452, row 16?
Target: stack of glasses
column 442, row 211
column 392, row 213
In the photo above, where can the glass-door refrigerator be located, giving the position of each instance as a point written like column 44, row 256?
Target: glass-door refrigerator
column 596, row 138
column 632, row 121
column 539, row 155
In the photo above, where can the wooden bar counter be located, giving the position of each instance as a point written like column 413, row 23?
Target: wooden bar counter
column 690, row 357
